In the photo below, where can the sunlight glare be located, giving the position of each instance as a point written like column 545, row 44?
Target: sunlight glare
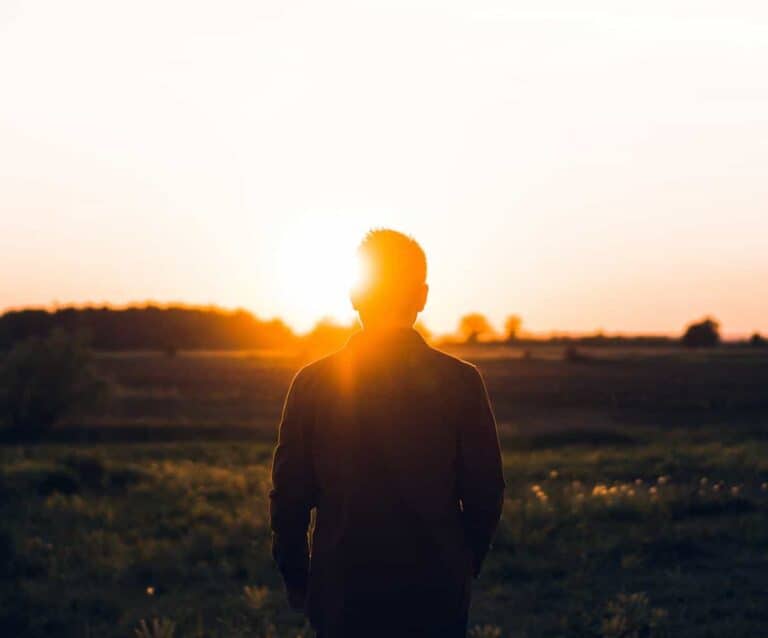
column 317, row 267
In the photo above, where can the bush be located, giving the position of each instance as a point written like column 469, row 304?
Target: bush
column 44, row 380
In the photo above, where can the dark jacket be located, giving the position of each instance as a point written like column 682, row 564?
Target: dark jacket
column 395, row 445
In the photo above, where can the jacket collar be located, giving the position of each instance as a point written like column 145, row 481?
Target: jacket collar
column 395, row 337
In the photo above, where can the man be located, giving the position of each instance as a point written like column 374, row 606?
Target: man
column 394, row 444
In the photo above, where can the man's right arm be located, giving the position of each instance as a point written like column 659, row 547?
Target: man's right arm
column 481, row 479
column 291, row 497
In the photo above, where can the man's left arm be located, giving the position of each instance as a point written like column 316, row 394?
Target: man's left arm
column 291, row 497
column 481, row 476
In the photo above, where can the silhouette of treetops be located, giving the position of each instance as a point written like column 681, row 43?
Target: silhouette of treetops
column 475, row 327
column 512, row 327
column 702, row 334
column 150, row 327
column 175, row 328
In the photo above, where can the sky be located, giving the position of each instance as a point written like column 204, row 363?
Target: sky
column 595, row 168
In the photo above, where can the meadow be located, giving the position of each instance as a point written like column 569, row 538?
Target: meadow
column 637, row 501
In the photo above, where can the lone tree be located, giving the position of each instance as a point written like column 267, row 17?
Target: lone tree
column 757, row 341
column 473, row 326
column 512, row 327
column 702, row 334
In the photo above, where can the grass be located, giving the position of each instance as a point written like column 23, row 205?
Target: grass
column 659, row 533
column 245, row 390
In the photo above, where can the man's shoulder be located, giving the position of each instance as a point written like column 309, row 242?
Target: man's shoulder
column 453, row 364
column 337, row 365
column 312, row 372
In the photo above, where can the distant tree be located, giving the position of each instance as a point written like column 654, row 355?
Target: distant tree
column 702, row 334
column 757, row 341
column 45, row 380
column 512, row 327
column 473, row 326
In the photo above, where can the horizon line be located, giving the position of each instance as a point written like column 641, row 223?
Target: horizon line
column 213, row 307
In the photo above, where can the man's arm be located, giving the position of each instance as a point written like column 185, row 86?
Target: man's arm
column 481, row 480
column 291, row 497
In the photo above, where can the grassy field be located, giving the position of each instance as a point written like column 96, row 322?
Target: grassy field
column 637, row 503
column 217, row 392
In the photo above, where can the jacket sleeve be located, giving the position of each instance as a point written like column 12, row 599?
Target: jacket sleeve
column 480, row 476
column 291, row 497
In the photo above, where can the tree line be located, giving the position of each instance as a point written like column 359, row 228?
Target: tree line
column 704, row 333
column 173, row 328
column 150, row 328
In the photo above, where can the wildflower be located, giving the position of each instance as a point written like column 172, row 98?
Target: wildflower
column 535, row 489
column 662, row 480
column 764, row 487
column 653, row 490
column 599, row 490
column 576, row 485
column 150, row 591
column 735, row 490
column 703, row 480
column 631, row 492
column 553, row 474
column 638, row 481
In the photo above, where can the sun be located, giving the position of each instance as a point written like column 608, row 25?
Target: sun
column 315, row 267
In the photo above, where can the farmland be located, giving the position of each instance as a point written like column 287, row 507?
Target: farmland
column 637, row 499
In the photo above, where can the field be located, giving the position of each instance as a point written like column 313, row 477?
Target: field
column 637, row 501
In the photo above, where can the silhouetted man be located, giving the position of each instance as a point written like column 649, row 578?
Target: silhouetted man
column 394, row 444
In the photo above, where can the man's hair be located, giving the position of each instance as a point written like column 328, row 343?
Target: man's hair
column 393, row 265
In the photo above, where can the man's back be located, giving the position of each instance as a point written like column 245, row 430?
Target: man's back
column 395, row 445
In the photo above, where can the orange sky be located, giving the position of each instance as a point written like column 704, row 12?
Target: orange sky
column 595, row 168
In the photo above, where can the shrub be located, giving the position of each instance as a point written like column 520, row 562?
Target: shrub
column 44, row 380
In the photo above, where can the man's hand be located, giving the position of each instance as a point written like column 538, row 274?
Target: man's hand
column 297, row 597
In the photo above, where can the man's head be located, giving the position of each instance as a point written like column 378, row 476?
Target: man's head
column 393, row 279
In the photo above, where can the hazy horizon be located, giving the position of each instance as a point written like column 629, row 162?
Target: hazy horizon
column 497, row 329
column 593, row 169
